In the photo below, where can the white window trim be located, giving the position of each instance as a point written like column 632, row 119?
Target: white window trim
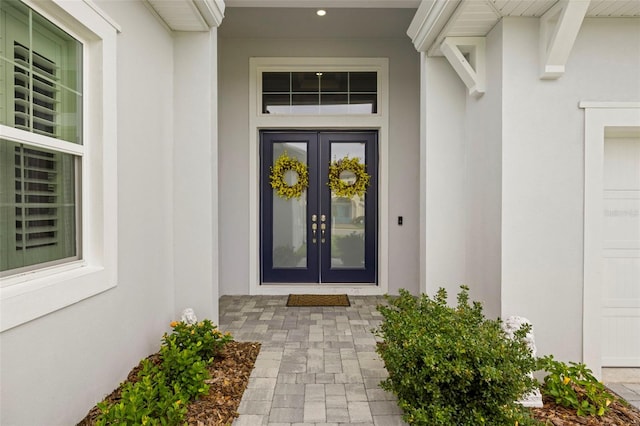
column 30, row 295
column 259, row 121
column 600, row 118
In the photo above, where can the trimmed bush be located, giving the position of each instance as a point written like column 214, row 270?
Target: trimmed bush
column 452, row 366
column 163, row 390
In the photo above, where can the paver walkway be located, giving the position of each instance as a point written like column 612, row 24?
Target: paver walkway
column 318, row 366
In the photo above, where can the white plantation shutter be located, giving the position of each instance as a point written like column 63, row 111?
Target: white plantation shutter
column 35, row 92
column 42, row 218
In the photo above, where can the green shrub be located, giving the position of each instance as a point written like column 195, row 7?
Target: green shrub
column 204, row 338
column 149, row 401
column 574, row 386
column 451, row 365
column 163, row 390
column 184, row 367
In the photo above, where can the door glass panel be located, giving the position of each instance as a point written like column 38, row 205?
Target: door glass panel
column 347, row 215
column 290, row 215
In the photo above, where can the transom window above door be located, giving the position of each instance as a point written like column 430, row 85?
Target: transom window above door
column 320, row 93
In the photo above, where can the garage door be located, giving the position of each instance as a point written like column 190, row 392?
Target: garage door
column 621, row 263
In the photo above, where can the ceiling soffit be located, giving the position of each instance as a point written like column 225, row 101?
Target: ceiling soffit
column 456, row 29
column 188, row 15
column 437, row 19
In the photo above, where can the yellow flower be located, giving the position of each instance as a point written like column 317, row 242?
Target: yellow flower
column 193, row 331
column 173, row 323
column 282, row 165
column 178, row 402
column 566, row 380
column 608, row 402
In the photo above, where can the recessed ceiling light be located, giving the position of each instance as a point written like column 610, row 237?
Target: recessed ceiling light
column 321, row 12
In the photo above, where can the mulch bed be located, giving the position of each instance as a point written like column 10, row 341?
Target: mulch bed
column 230, row 374
column 229, row 378
column 619, row 414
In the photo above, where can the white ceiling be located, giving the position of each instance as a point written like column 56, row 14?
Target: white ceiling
column 356, row 18
column 249, row 22
column 412, row 4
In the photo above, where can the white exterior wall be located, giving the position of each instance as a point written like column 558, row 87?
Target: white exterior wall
column 543, row 170
column 463, row 181
column 443, row 159
column 484, row 141
column 195, row 174
column 68, row 360
column 404, row 125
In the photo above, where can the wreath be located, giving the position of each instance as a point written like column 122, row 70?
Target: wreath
column 348, row 189
column 284, row 164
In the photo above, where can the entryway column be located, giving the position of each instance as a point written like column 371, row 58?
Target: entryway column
column 442, row 157
column 195, row 174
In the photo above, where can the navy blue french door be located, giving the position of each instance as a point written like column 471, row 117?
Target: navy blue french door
column 319, row 236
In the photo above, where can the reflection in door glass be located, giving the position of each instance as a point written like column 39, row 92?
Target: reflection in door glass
column 290, row 215
column 347, row 215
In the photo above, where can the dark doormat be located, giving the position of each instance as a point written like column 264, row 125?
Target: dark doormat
column 318, row 300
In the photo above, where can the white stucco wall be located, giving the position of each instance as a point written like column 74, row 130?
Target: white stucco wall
column 543, row 170
column 463, row 180
column 195, row 175
column 513, row 160
column 483, row 140
column 404, row 128
column 66, row 361
column 443, row 157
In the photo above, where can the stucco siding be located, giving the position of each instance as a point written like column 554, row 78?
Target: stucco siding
column 404, row 125
column 484, row 144
column 66, row 361
column 444, row 157
column 543, row 170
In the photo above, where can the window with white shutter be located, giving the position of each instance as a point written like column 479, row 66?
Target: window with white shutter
column 40, row 99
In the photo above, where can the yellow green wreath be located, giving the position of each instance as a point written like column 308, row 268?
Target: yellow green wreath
column 283, row 164
column 345, row 189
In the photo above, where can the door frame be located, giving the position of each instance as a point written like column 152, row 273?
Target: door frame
column 601, row 118
column 376, row 122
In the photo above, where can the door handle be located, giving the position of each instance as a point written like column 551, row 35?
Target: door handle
column 314, row 228
column 323, row 226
